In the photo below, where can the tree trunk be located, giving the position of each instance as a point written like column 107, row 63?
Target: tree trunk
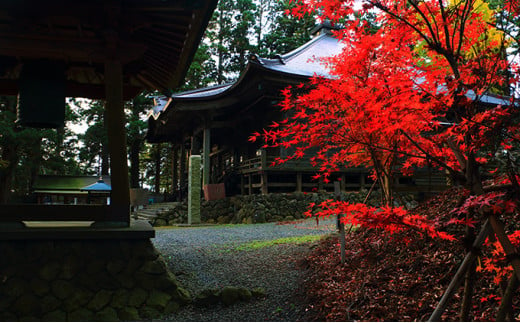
column 182, row 173
column 220, row 66
column 459, row 275
column 469, row 284
column 469, row 280
column 505, row 309
column 10, row 157
column 36, row 158
column 135, row 149
column 175, row 168
column 105, row 157
column 157, row 160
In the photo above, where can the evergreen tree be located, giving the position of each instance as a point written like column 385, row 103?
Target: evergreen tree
column 94, row 151
column 287, row 32
column 202, row 71
column 28, row 152
column 136, row 130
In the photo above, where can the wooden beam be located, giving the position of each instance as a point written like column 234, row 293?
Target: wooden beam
column 120, row 196
column 74, row 90
column 35, row 212
column 74, row 49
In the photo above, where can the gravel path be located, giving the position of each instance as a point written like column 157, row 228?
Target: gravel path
column 206, row 257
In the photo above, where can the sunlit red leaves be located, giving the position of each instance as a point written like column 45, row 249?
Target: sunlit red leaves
column 497, row 263
column 390, row 219
column 391, row 279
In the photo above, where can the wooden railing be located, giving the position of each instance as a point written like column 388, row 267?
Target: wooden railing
column 266, row 162
column 251, row 164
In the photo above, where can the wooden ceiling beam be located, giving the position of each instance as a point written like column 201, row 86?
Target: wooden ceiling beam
column 79, row 50
column 73, row 89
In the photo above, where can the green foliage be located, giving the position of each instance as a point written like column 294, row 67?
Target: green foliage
column 136, row 131
column 27, row 152
column 287, row 33
column 240, row 28
column 202, row 71
column 94, row 151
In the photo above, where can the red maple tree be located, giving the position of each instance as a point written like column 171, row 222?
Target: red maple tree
column 414, row 87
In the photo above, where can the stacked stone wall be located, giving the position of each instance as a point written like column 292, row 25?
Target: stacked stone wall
column 256, row 208
column 90, row 280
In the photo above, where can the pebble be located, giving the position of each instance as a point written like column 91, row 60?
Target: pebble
column 206, row 257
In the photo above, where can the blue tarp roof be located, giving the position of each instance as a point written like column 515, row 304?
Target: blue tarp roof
column 99, row 186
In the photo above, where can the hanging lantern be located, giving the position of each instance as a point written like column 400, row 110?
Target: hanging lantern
column 41, row 97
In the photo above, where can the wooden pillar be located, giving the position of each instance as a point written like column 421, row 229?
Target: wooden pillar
column 250, row 186
column 206, row 145
column 175, row 169
column 182, row 174
column 236, row 157
column 299, row 184
column 195, row 145
column 263, row 158
column 340, row 225
column 242, row 185
column 263, row 182
column 120, row 195
column 343, row 183
column 362, row 181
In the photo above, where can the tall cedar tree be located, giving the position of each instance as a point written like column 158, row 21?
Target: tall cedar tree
column 405, row 94
column 136, row 130
column 27, row 152
column 94, row 153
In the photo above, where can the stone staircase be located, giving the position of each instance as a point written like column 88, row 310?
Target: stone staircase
column 150, row 212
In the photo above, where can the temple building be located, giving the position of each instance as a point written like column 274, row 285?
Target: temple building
column 217, row 121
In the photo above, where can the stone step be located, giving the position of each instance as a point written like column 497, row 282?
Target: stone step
column 147, row 213
column 165, row 205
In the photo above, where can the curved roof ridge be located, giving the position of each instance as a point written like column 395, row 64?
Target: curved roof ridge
column 202, row 89
column 295, row 52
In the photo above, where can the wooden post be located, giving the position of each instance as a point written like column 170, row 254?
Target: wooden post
column 175, row 169
column 120, row 195
column 182, row 173
column 341, row 226
column 206, row 145
column 299, row 185
column 263, row 159
column 343, row 183
column 459, row 275
column 263, row 182
column 250, row 186
column 242, row 185
column 362, row 181
column 195, row 145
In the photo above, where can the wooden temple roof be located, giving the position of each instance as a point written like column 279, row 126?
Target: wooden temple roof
column 154, row 40
column 258, row 85
column 247, row 100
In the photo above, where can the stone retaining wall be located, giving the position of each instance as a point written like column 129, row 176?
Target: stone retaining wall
column 88, row 280
column 256, row 208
